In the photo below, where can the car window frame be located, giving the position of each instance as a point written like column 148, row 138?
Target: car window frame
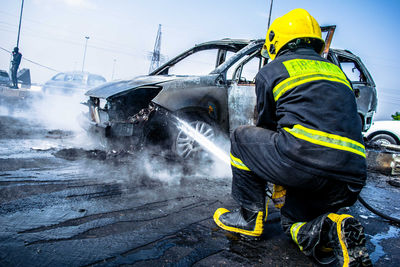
column 335, row 54
column 163, row 70
column 253, row 47
column 356, row 65
column 215, row 56
column 237, row 73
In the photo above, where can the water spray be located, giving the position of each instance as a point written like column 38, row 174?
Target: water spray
column 203, row 141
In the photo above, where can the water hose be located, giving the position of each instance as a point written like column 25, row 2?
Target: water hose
column 377, row 212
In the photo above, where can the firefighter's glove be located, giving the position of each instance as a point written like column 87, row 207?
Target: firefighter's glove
column 278, row 196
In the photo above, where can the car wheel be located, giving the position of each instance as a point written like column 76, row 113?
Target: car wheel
column 185, row 144
column 384, row 139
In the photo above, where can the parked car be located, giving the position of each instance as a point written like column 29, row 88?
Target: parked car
column 211, row 85
column 384, row 132
column 72, row 82
column 4, row 78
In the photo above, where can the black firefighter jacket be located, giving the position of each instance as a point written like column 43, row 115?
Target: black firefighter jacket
column 311, row 103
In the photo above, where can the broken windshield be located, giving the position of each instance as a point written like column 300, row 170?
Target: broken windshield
column 199, row 63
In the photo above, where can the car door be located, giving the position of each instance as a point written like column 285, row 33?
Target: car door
column 242, row 97
column 363, row 85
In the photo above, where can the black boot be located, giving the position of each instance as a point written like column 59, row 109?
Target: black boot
column 242, row 221
column 347, row 239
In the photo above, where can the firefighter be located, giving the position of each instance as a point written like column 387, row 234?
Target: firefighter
column 16, row 60
column 307, row 142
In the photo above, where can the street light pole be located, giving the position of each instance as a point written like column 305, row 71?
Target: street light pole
column 84, row 54
column 20, row 20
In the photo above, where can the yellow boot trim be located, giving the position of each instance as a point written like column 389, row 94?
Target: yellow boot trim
column 258, row 229
column 294, row 231
column 266, row 210
column 338, row 220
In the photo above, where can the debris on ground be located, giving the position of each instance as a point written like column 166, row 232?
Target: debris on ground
column 80, row 153
column 383, row 158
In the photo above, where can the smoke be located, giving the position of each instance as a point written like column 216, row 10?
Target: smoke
column 212, row 162
column 151, row 164
column 53, row 111
column 59, row 111
column 4, row 111
column 137, row 167
column 149, row 175
column 65, row 114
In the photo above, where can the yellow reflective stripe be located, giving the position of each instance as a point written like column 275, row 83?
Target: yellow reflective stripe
column 292, row 82
column 266, row 210
column 236, row 162
column 294, row 231
column 258, row 229
column 296, row 67
column 338, row 220
column 302, row 71
column 327, row 139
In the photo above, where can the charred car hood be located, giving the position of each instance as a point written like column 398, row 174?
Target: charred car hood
column 118, row 87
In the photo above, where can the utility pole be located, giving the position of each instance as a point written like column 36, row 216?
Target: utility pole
column 155, row 57
column 84, row 54
column 270, row 11
column 20, row 20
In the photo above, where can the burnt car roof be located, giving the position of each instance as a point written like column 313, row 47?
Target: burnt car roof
column 117, row 87
column 227, row 41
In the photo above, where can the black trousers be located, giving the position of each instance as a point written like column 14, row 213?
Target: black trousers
column 309, row 197
column 14, row 70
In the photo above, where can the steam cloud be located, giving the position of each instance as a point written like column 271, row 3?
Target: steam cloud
column 66, row 114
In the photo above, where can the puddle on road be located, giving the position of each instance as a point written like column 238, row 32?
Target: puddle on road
column 25, row 148
column 376, row 240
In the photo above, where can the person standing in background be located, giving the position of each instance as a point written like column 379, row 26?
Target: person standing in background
column 16, row 60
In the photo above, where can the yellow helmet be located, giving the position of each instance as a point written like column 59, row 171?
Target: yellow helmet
column 297, row 24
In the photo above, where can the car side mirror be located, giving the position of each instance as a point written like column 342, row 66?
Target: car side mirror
column 221, row 80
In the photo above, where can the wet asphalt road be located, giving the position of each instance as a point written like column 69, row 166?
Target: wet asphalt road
column 60, row 206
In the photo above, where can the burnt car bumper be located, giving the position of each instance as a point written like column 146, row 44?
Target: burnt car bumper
column 148, row 125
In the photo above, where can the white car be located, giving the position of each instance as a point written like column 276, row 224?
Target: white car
column 72, row 82
column 384, row 132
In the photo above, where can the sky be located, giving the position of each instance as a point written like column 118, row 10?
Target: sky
column 122, row 34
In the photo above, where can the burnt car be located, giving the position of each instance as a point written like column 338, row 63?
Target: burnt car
column 72, row 82
column 211, row 86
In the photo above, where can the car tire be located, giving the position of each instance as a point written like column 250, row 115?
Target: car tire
column 383, row 138
column 183, row 145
